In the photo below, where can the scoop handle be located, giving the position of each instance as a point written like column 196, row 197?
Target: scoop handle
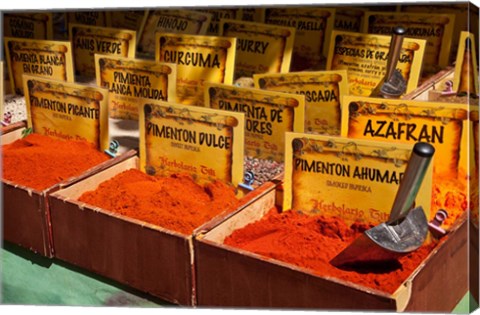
column 418, row 163
column 394, row 51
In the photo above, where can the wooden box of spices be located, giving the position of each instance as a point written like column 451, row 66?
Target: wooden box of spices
column 26, row 213
column 248, row 280
column 144, row 256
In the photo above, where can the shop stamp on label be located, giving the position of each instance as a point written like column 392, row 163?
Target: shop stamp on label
column 365, row 56
column 67, row 111
column 203, row 142
column 323, row 175
column 128, row 79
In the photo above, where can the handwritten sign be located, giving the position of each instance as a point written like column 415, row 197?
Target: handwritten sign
column 349, row 19
column 465, row 77
column 313, row 28
column 94, row 18
column 356, row 180
column 199, row 59
column 49, row 59
column 436, row 29
column 128, row 79
column 89, row 40
column 397, row 121
column 170, row 21
column 268, row 115
column 206, row 143
column 28, row 25
column 364, row 56
column 67, row 111
column 323, row 92
column 261, row 48
column 130, row 20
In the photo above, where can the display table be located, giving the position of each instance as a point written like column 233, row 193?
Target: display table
column 29, row 279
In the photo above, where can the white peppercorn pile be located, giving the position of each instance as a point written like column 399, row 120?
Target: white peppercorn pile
column 264, row 170
column 15, row 105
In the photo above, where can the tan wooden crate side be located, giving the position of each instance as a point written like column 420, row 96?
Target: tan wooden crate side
column 433, row 83
column 251, row 213
column 139, row 256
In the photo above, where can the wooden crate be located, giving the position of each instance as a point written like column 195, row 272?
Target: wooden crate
column 143, row 256
column 433, row 83
column 247, row 280
column 26, row 211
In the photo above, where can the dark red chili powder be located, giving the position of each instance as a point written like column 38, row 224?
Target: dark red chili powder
column 312, row 241
column 40, row 162
column 175, row 202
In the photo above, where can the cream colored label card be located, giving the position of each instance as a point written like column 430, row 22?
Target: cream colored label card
column 128, row 79
column 268, row 115
column 203, row 142
column 67, row 111
column 93, row 18
column 170, row 21
column 397, row 121
column 465, row 78
column 349, row 19
column 28, row 25
column 49, row 59
column 356, row 180
column 130, row 20
column 253, row 14
column 90, row 40
column 364, row 56
column 217, row 15
column 436, row 29
column 199, row 59
column 323, row 92
column 466, row 17
column 312, row 35
column 261, row 48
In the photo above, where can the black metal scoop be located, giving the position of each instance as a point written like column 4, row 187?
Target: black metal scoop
column 406, row 229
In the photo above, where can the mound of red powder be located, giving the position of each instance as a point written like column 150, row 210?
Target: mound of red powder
column 176, row 202
column 40, row 162
column 312, row 241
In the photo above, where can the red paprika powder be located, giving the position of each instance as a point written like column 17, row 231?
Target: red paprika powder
column 312, row 241
column 175, row 202
column 40, row 162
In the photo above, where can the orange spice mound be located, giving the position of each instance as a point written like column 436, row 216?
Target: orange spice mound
column 450, row 194
column 40, row 162
column 312, row 241
column 176, row 202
